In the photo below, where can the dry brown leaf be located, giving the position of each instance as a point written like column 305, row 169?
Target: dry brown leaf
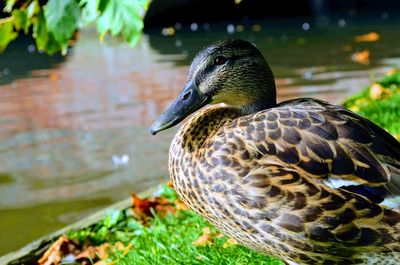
column 180, row 205
column 203, row 240
column 206, row 238
column 102, row 250
column 230, row 242
column 219, row 235
column 119, row 246
column 101, row 262
column 369, row 37
column 57, row 251
column 165, row 208
column 141, row 208
column 170, row 184
column 84, row 254
column 377, row 91
column 361, row 57
column 87, row 253
column 93, row 253
column 207, row 230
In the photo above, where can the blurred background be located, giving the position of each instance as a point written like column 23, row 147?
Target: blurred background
column 74, row 129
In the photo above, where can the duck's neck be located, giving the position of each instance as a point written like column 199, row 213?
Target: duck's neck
column 203, row 125
column 263, row 95
column 254, row 107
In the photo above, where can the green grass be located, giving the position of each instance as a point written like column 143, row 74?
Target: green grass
column 167, row 240
column 383, row 109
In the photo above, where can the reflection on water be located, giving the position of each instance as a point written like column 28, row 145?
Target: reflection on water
column 73, row 130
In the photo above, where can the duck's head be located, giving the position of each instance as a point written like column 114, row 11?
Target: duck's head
column 233, row 72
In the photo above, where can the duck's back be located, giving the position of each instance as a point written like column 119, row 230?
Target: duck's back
column 340, row 147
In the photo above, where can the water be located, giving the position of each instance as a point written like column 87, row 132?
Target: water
column 73, row 130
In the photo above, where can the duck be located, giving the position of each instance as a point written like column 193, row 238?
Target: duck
column 302, row 180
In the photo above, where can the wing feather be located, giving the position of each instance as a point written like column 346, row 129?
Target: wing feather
column 328, row 143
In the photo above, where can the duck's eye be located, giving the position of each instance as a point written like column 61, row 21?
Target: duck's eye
column 220, row 60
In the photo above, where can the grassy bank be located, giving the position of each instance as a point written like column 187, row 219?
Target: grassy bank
column 160, row 230
column 163, row 231
column 380, row 103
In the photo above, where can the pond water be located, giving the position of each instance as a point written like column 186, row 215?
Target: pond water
column 74, row 130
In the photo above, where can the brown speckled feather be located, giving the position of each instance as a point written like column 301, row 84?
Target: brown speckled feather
column 265, row 180
column 327, row 141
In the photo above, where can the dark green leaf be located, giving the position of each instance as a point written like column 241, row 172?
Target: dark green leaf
column 21, row 21
column 45, row 40
column 7, row 33
column 55, row 21
column 122, row 16
column 62, row 19
column 40, row 32
column 90, row 10
column 102, row 5
column 104, row 21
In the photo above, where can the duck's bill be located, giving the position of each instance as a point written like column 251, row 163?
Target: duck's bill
column 187, row 102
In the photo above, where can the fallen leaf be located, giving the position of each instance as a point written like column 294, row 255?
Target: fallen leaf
column 119, row 246
column 203, row 240
column 102, row 251
column 369, row 37
column 361, row 57
column 207, row 230
column 57, row 251
column 219, row 235
column 93, row 253
column 65, row 248
column 170, row 184
column 141, row 208
column 377, row 91
column 180, row 205
column 230, row 242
